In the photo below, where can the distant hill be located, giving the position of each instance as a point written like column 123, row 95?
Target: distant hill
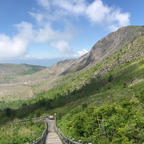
column 12, row 80
column 10, row 70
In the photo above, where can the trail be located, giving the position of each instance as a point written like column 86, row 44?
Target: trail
column 52, row 137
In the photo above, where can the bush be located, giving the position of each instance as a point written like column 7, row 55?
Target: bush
column 118, row 123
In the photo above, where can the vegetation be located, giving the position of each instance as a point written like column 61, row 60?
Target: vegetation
column 117, row 123
column 21, row 133
column 116, row 115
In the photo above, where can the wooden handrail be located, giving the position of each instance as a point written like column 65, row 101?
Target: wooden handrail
column 65, row 139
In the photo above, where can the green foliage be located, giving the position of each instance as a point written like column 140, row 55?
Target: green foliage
column 21, row 133
column 118, row 92
column 118, row 123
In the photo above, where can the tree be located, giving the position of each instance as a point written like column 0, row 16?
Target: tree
column 110, row 78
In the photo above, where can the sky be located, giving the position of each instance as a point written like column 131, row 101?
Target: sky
column 45, row 31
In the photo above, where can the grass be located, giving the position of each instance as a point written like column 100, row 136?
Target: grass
column 21, row 133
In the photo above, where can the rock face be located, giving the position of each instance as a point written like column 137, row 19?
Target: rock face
column 62, row 66
column 105, row 47
column 113, row 42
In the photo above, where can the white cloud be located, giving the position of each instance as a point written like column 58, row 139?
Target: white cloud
column 16, row 46
column 38, row 16
column 57, row 39
column 112, row 17
column 97, row 12
column 73, row 6
column 62, row 46
column 47, row 34
column 122, row 18
column 25, row 31
column 11, row 47
column 81, row 53
column 44, row 3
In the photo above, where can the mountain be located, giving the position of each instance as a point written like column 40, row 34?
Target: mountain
column 108, row 106
column 107, row 46
column 20, row 82
column 101, row 50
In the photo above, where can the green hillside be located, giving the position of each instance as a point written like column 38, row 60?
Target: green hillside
column 113, row 113
column 113, row 110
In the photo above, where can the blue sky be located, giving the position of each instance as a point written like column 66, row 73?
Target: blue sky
column 55, row 29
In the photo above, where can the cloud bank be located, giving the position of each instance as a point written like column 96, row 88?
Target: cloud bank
column 96, row 12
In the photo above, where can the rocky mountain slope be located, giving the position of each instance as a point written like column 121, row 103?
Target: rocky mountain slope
column 107, row 46
column 101, row 50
